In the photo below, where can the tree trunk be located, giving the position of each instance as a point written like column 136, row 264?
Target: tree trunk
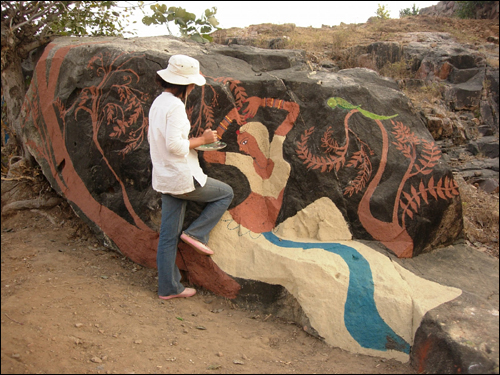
column 14, row 91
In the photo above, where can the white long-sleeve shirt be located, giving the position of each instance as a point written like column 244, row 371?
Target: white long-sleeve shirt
column 174, row 164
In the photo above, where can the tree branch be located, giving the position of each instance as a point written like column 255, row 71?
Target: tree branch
column 29, row 20
column 43, row 12
column 25, row 49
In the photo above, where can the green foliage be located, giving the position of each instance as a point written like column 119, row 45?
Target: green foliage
column 197, row 29
column 409, row 12
column 93, row 18
column 467, row 9
column 382, row 12
column 31, row 19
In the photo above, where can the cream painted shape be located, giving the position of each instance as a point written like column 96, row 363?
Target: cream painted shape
column 319, row 279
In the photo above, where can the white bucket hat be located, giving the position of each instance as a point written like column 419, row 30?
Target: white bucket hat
column 182, row 70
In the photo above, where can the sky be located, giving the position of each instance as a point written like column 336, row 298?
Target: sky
column 302, row 14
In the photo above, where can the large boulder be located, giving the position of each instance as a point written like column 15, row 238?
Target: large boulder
column 318, row 162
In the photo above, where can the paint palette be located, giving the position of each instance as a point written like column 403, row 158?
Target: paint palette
column 211, row 146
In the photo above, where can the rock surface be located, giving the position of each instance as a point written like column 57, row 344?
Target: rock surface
column 460, row 336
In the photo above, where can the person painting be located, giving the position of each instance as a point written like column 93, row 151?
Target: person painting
column 177, row 174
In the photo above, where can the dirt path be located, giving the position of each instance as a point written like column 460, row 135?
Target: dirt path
column 69, row 305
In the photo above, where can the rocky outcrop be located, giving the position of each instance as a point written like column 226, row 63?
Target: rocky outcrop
column 467, row 115
column 484, row 9
column 460, row 80
column 468, row 109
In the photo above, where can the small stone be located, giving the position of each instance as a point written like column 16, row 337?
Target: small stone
column 16, row 355
column 96, row 360
column 78, row 325
column 238, row 362
column 201, row 328
column 214, row 367
column 220, row 354
column 138, row 342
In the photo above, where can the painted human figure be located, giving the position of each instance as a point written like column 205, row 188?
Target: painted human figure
column 267, row 173
column 263, row 163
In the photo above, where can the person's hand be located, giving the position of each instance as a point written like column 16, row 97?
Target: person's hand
column 209, row 136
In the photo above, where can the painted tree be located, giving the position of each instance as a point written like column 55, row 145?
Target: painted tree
column 422, row 156
column 28, row 25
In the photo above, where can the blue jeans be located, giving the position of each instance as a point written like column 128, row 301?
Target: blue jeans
column 218, row 197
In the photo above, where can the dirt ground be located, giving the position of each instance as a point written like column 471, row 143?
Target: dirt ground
column 69, row 305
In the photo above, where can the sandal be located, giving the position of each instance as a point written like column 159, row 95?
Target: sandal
column 197, row 245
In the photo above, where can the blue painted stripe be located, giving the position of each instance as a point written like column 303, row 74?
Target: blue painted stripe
column 361, row 316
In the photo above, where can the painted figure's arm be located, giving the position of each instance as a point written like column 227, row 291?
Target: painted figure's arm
column 292, row 108
column 218, row 157
column 227, row 120
column 293, row 111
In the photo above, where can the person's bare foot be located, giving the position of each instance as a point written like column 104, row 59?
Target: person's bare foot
column 188, row 292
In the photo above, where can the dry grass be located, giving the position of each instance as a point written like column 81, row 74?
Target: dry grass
column 481, row 215
column 426, row 93
column 398, row 70
column 494, row 63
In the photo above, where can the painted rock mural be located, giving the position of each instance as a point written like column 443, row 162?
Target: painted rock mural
column 317, row 161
